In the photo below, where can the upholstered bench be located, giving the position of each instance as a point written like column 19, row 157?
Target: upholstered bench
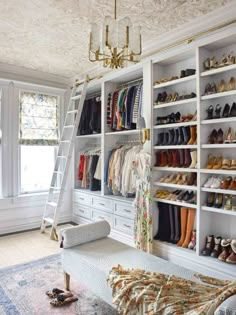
column 89, row 254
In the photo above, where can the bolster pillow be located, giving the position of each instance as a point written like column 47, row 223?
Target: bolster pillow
column 84, row 233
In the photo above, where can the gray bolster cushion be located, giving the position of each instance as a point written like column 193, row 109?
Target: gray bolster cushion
column 84, row 233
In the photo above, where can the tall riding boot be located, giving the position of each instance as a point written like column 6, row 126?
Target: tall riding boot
column 187, row 158
column 183, row 218
column 181, row 157
column 158, row 158
column 160, row 138
column 164, row 159
column 181, row 136
column 172, row 223
column 171, row 137
column 177, row 223
column 194, row 159
column 176, row 137
column 193, row 133
column 163, row 233
column 190, row 224
column 186, row 132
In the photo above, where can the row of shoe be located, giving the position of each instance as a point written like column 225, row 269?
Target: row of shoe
column 183, row 74
column 221, row 201
column 174, row 118
column 176, row 225
column 228, row 111
column 218, row 162
column 223, row 249
column 212, row 63
column 178, row 136
column 177, row 195
column 218, row 136
column 180, row 179
column 163, row 97
column 221, row 183
column 211, row 88
column 176, row 158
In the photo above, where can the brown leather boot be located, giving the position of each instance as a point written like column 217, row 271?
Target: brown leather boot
column 170, row 158
column 192, row 180
column 217, row 247
column 164, row 159
column 208, row 246
column 176, row 158
column 181, row 158
column 190, row 224
column 183, row 219
column 158, row 158
column 232, row 257
column 193, row 133
column 187, row 158
column 225, row 244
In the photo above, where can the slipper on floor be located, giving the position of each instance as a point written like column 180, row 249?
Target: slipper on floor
column 62, row 299
column 54, row 293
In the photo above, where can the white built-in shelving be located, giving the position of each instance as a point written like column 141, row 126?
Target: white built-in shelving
column 174, row 82
column 122, row 132
column 176, row 125
column 94, row 135
column 175, row 169
column 219, row 210
column 176, row 186
column 170, row 147
column 218, row 95
column 219, row 146
column 218, row 120
column 176, row 103
column 218, row 172
column 219, row 191
column 218, row 70
column 177, row 203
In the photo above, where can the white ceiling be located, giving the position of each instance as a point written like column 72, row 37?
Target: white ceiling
column 52, row 35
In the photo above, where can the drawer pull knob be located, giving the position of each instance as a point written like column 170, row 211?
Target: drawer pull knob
column 101, row 218
column 101, row 204
column 127, row 210
column 128, row 226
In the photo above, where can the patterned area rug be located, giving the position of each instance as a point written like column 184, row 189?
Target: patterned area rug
column 23, row 287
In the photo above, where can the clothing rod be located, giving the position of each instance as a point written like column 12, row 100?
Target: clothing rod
column 129, row 142
column 93, row 95
column 130, row 82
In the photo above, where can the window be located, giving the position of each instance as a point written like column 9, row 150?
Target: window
column 38, row 139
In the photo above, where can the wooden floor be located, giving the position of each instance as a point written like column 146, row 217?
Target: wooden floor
column 24, row 247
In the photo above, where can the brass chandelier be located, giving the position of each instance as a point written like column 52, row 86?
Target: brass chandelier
column 116, row 43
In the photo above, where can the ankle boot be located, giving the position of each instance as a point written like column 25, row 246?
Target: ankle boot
column 171, row 135
column 225, row 244
column 175, row 158
column 172, row 226
column 186, row 132
column 183, row 218
column 181, row 157
column 160, row 138
column 208, row 246
column 181, row 136
column 190, row 224
column 192, row 179
column 177, row 223
column 170, row 158
column 158, row 158
column 193, row 155
column 193, row 135
column 217, row 247
column 187, row 158
column 193, row 240
column 232, row 257
column 176, row 136
column 164, row 159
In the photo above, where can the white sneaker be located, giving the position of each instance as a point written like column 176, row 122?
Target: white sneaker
column 216, row 182
column 209, row 182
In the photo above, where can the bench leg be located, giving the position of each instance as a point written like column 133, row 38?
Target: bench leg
column 67, row 281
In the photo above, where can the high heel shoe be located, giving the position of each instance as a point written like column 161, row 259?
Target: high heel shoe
column 217, row 111
column 233, row 110
column 219, row 137
column 211, row 161
column 210, row 112
column 226, row 111
column 206, row 64
column 229, row 136
column 230, row 59
column 222, row 87
column 213, row 136
column 213, row 62
column 223, row 61
column 218, row 201
column 232, row 84
column 218, row 163
column 210, row 199
column 228, row 203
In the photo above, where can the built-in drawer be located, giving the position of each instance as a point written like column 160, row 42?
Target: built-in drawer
column 100, row 215
column 82, row 211
column 124, row 225
column 103, row 204
column 124, row 210
column 81, row 198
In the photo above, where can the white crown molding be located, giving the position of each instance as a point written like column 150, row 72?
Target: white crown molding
column 14, row 73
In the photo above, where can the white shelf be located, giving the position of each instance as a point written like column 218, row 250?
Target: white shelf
column 218, row 121
column 161, row 147
column 220, row 171
column 219, row 146
column 217, row 95
column 219, row 191
column 176, row 103
column 87, row 191
column 174, row 82
column 95, row 135
column 184, row 187
column 216, row 210
column 177, row 203
column 218, row 70
column 175, row 169
column 176, row 125
column 123, row 132
column 180, row 250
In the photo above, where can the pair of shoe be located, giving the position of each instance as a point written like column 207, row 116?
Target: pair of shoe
column 163, row 194
column 184, row 196
column 227, row 111
column 213, row 182
column 212, row 63
column 179, row 136
column 223, row 249
column 164, row 80
column 228, row 183
column 180, row 179
column 217, row 200
column 188, row 235
column 169, row 119
column 218, row 136
column 163, row 98
column 187, row 73
column 220, row 163
column 59, row 297
column 211, row 88
column 176, row 158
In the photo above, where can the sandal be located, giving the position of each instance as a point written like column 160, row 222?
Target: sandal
column 63, row 299
column 222, row 87
column 226, row 164
column 231, row 84
column 54, row 293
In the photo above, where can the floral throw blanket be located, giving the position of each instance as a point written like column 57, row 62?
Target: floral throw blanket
column 134, row 290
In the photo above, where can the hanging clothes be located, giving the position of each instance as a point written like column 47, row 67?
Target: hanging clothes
column 143, row 230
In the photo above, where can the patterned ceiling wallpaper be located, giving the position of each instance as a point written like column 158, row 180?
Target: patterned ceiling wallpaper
column 52, row 35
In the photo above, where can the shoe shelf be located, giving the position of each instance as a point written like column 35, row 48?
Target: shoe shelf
column 217, row 265
column 211, row 209
column 176, row 103
column 175, row 169
column 95, row 135
column 218, row 70
column 218, row 95
column 218, row 121
column 219, row 191
column 123, row 132
column 176, row 125
column 174, row 247
column 219, row 171
column 170, row 185
column 177, row 203
column 219, row 146
column 161, row 147
column 174, row 82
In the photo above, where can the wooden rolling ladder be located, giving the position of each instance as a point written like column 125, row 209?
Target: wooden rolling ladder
column 63, row 160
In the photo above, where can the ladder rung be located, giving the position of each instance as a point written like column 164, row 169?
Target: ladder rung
column 72, row 111
column 57, row 172
column 61, row 157
column 52, row 204
column 69, row 126
column 49, row 220
column 76, row 97
column 56, row 188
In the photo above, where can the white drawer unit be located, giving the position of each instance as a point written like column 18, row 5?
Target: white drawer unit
column 81, row 198
column 124, row 225
column 100, row 215
column 124, row 210
column 103, row 204
column 82, row 211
